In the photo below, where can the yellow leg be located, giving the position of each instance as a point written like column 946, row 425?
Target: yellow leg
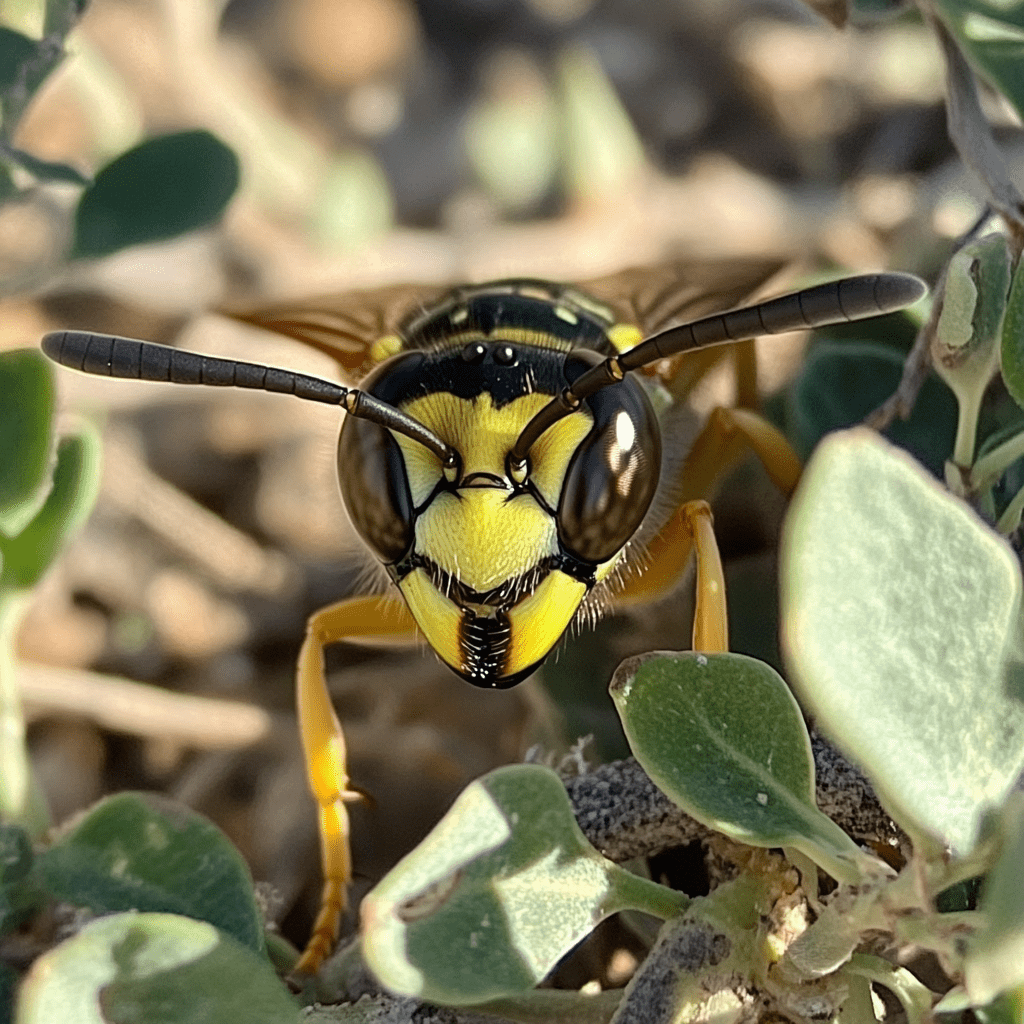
column 710, row 616
column 690, row 529
column 324, row 745
column 727, row 436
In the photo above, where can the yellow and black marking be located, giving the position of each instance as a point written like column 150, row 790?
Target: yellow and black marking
column 493, row 568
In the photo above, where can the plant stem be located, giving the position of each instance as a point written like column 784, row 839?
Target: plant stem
column 21, row 799
column 629, row 890
column 993, row 464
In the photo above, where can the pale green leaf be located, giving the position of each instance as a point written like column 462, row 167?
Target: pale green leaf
column 498, row 892
column 153, row 969
column 995, row 958
column 901, row 618
column 722, row 736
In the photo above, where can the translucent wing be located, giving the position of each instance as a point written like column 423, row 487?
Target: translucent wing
column 343, row 325
column 656, row 297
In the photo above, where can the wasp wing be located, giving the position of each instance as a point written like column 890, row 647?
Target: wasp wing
column 343, row 325
column 657, row 297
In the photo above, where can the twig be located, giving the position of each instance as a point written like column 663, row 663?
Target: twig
column 229, row 556
column 141, row 710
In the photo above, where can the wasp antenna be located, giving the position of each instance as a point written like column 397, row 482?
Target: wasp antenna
column 109, row 356
column 835, row 302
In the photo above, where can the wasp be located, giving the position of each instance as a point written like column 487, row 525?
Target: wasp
column 502, row 459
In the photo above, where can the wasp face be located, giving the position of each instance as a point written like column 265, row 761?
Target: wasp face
column 492, row 568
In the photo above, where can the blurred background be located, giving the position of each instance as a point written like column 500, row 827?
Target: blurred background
column 383, row 142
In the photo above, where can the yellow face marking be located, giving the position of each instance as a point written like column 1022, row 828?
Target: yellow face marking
column 386, row 347
column 437, row 616
column 482, row 539
column 567, row 315
column 483, row 436
column 625, row 336
column 540, row 619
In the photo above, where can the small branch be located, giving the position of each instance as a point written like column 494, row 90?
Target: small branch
column 230, row 557
column 140, row 710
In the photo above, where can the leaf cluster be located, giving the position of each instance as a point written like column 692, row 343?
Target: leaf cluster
column 161, row 188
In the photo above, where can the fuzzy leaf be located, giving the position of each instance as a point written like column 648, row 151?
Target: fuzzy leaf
column 136, row 851
column 500, row 890
column 153, row 969
column 995, row 958
column 722, row 736
column 901, row 618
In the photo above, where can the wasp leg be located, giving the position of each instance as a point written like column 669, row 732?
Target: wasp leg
column 691, row 529
column 324, row 745
column 728, row 435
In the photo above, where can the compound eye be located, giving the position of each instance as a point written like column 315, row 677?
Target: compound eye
column 612, row 478
column 375, row 488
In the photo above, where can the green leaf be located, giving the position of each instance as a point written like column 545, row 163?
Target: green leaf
column 995, row 959
column 841, row 383
column 26, row 413
column 965, row 346
column 866, row 12
column 974, row 297
column 153, row 969
column 1006, row 1009
column 901, row 611
column 973, row 305
column 1012, row 350
column 497, row 893
column 15, row 854
column 75, row 484
column 8, row 992
column 8, row 190
column 136, row 851
column 61, row 15
column 991, row 35
column 15, row 49
column 20, row 893
column 159, row 189
column 723, row 737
